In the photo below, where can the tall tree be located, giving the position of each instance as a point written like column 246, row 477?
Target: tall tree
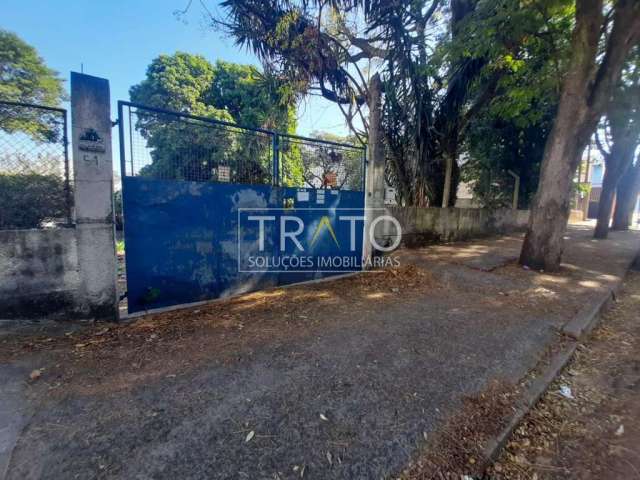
column 509, row 132
column 312, row 45
column 331, row 48
column 24, row 77
column 225, row 91
column 601, row 42
column 627, row 196
column 427, row 87
column 623, row 122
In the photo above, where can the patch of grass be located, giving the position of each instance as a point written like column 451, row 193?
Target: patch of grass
column 120, row 246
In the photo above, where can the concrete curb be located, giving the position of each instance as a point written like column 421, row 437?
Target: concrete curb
column 587, row 317
column 577, row 328
column 536, row 389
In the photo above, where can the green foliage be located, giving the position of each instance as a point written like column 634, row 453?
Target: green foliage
column 529, row 43
column 578, row 190
column 496, row 145
column 225, row 91
column 291, row 164
column 582, row 188
column 623, row 113
column 471, row 79
column 252, row 98
column 25, row 78
column 500, row 61
column 117, row 209
column 29, row 199
column 180, row 82
column 532, row 85
column 305, row 43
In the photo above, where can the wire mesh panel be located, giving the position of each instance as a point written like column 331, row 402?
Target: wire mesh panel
column 174, row 146
column 168, row 145
column 35, row 186
column 315, row 163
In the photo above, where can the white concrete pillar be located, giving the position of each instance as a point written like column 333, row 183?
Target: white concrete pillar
column 93, row 190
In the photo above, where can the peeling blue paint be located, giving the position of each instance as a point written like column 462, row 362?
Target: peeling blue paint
column 182, row 237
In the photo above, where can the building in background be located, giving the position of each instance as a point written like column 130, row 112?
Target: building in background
column 594, row 178
column 591, row 173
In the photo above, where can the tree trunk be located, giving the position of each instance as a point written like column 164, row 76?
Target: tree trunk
column 376, row 156
column 605, row 206
column 448, row 173
column 451, row 180
column 586, row 92
column 617, row 162
column 627, row 196
column 543, row 243
column 374, row 181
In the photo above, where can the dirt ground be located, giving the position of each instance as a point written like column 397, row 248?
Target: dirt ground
column 344, row 379
column 592, row 431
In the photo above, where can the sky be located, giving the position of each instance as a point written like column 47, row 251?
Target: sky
column 117, row 39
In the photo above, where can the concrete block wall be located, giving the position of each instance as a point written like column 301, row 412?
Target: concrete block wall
column 39, row 274
column 70, row 272
column 432, row 225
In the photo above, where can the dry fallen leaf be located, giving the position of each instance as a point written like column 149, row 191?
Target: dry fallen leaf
column 35, row 374
column 250, row 435
column 323, row 417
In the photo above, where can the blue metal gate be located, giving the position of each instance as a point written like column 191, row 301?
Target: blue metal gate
column 206, row 204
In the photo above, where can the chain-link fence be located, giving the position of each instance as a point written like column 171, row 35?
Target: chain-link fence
column 169, row 145
column 320, row 164
column 173, row 146
column 35, row 186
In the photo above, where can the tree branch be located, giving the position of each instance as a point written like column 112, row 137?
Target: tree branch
column 369, row 50
column 485, row 96
column 624, row 35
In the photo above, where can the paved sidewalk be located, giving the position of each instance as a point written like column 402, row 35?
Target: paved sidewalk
column 340, row 379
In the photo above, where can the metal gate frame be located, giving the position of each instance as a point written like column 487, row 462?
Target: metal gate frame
column 275, row 183
column 276, row 136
